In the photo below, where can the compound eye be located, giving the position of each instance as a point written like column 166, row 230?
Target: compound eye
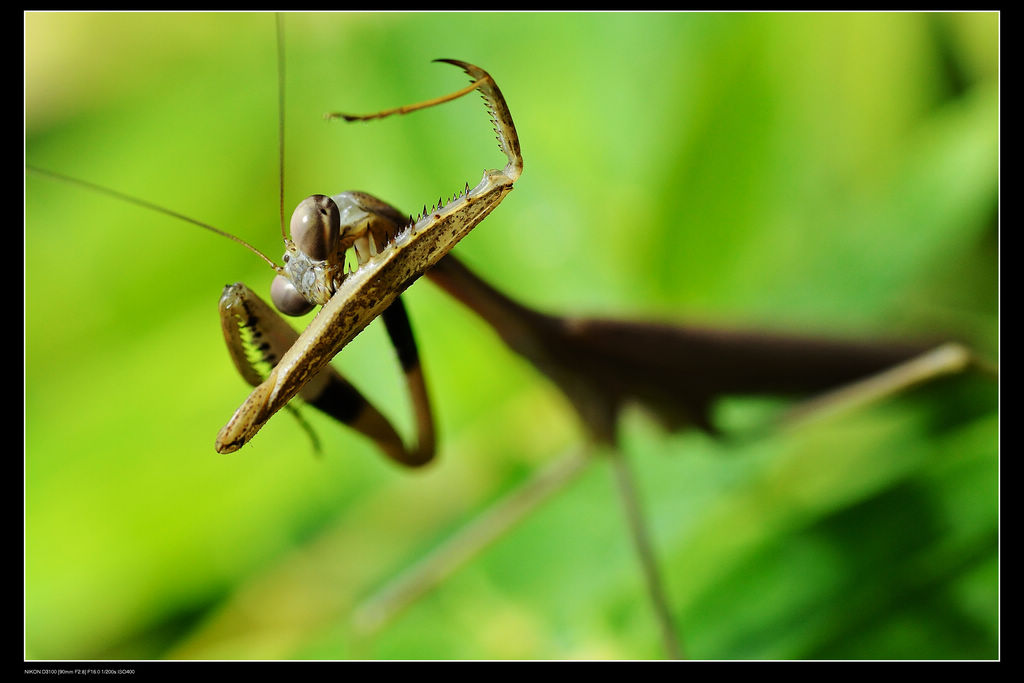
column 315, row 226
column 287, row 299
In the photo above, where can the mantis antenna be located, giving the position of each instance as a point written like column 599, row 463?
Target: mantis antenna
column 152, row 207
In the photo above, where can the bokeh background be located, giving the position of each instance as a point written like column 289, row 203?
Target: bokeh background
column 827, row 172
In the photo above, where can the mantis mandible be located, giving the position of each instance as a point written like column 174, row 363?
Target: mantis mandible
column 393, row 194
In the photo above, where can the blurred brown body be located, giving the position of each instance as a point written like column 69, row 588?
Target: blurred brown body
column 675, row 371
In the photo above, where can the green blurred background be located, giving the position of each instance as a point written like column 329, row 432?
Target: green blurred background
column 826, row 172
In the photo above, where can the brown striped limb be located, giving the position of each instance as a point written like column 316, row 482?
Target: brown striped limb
column 257, row 337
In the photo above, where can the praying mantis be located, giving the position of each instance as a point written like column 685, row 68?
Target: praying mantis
column 274, row 478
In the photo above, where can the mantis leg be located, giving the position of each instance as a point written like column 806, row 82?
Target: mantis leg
column 396, row 320
column 257, row 337
column 946, row 359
